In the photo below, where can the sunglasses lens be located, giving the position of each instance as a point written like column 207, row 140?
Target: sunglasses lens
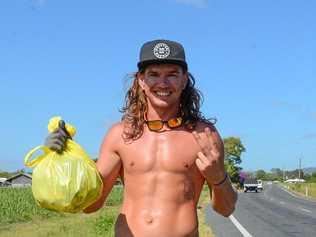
column 176, row 122
column 155, row 125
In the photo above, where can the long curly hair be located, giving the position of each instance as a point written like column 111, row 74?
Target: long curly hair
column 135, row 108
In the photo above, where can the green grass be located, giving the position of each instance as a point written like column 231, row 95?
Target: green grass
column 204, row 229
column 18, row 205
column 20, row 216
column 115, row 197
column 301, row 188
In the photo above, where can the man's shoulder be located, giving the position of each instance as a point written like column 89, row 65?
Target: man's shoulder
column 114, row 133
column 116, row 129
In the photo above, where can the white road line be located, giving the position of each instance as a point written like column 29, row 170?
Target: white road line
column 242, row 230
column 290, row 193
column 303, row 209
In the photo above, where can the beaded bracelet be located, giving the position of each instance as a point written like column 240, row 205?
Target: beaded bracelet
column 221, row 182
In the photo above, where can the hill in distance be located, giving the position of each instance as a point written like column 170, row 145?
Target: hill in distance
column 309, row 170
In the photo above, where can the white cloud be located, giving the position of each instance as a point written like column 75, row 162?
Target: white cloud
column 196, row 3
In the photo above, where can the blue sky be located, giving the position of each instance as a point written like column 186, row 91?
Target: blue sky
column 254, row 61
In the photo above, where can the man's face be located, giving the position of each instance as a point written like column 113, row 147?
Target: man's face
column 163, row 84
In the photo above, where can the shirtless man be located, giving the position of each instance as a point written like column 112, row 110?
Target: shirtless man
column 164, row 150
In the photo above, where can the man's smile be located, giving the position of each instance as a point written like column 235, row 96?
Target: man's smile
column 163, row 93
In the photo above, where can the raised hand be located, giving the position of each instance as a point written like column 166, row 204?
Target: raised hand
column 56, row 140
column 210, row 160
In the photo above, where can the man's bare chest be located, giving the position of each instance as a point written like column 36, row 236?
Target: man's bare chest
column 169, row 151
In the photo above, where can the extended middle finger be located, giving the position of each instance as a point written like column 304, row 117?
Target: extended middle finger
column 212, row 144
column 203, row 143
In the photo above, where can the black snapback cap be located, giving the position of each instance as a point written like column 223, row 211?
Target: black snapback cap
column 162, row 51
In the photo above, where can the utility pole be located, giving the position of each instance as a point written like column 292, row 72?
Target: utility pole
column 299, row 169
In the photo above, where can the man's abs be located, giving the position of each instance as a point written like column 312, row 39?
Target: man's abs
column 142, row 218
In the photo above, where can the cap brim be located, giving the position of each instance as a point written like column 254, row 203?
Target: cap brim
column 142, row 65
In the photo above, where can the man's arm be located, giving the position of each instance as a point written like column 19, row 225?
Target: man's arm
column 109, row 165
column 210, row 162
column 224, row 197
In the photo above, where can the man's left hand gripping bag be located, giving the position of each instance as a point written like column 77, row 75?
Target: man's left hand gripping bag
column 67, row 181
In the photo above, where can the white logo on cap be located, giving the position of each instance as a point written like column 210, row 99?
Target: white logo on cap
column 161, row 50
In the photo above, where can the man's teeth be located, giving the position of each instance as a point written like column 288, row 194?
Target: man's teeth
column 160, row 93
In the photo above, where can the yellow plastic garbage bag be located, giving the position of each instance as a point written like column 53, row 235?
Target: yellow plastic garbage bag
column 67, row 181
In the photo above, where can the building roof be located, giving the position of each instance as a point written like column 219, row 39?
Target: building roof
column 18, row 175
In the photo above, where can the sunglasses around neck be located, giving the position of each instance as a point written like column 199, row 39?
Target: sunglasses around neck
column 157, row 125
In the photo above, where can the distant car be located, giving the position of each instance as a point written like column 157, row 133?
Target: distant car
column 260, row 185
column 251, row 184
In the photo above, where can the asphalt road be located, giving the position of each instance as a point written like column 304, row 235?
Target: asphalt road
column 272, row 213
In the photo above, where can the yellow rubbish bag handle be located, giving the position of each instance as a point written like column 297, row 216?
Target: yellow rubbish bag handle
column 36, row 160
column 52, row 126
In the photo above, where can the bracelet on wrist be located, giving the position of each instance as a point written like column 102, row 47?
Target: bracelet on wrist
column 223, row 181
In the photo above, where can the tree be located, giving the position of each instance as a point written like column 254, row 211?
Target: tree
column 242, row 177
column 277, row 173
column 313, row 177
column 20, row 171
column 295, row 174
column 233, row 150
column 261, row 174
column 4, row 174
column 307, row 177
